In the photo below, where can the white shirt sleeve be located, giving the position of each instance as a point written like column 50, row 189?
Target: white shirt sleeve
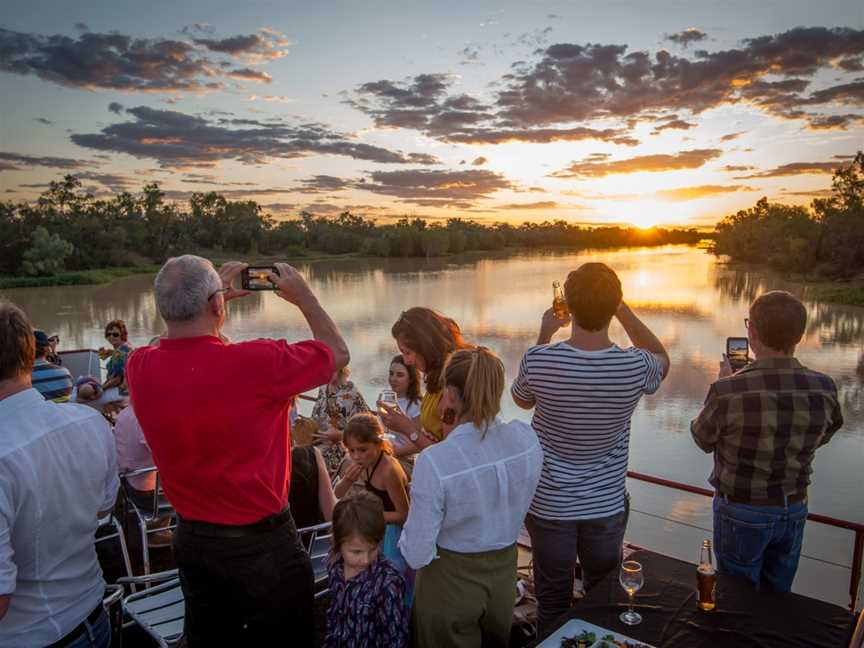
column 112, row 480
column 8, row 569
column 418, row 542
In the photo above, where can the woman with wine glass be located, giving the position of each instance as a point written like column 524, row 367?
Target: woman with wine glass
column 426, row 339
column 404, row 384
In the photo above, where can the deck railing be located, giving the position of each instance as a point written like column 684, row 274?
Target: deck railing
column 857, row 528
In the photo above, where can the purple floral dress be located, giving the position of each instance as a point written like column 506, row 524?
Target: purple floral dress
column 369, row 610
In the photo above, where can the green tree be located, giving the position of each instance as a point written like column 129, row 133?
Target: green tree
column 47, row 254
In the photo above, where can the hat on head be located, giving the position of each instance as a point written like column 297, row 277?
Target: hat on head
column 41, row 338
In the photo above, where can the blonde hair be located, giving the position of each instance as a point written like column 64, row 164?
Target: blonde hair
column 365, row 427
column 478, row 375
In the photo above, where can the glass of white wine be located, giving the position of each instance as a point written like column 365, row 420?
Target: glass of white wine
column 388, row 400
column 631, row 580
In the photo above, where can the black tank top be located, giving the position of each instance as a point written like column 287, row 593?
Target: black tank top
column 383, row 495
column 303, row 495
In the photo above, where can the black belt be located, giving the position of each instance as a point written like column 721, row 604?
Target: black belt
column 264, row 525
column 770, row 501
column 80, row 629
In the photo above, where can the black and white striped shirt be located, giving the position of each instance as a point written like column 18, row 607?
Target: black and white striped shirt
column 583, row 404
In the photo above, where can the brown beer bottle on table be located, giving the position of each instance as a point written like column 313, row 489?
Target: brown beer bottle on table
column 559, row 303
column 706, row 579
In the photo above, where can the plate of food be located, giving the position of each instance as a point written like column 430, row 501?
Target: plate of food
column 581, row 634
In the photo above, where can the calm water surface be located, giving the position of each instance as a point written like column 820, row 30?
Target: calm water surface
column 689, row 300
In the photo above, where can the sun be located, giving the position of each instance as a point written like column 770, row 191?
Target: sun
column 646, row 213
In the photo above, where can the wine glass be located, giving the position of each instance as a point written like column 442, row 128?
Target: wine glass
column 631, row 580
column 388, row 399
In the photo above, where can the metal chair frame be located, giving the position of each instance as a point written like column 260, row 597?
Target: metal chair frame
column 317, row 540
column 119, row 534
column 160, row 509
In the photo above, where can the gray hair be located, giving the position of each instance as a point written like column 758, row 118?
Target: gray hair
column 184, row 286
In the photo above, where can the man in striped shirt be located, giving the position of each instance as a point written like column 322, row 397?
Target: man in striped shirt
column 583, row 392
column 53, row 382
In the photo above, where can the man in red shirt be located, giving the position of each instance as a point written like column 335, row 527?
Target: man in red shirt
column 216, row 418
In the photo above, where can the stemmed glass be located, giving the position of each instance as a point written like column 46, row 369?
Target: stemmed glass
column 631, row 580
column 389, row 399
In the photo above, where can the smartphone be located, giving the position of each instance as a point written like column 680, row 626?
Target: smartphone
column 257, row 278
column 738, row 352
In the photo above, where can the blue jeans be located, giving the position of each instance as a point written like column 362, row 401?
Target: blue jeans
column 760, row 543
column 97, row 635
column 556, row 545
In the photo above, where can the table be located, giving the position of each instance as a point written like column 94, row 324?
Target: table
column 744, row 616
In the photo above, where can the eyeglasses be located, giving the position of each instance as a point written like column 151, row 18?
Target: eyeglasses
column 111, row 334
column 216, row 292
column 54, row 339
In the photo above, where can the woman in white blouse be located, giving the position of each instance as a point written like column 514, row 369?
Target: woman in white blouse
column 469, row 496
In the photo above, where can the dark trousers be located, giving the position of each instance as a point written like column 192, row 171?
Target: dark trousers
column 556, row 545
column 245, row 591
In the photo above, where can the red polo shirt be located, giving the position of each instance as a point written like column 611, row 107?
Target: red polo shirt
column 216, row 418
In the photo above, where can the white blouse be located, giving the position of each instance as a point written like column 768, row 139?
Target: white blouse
column 470, row 493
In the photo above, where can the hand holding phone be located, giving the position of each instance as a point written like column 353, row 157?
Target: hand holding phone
column 737, row 352
column 258, row 278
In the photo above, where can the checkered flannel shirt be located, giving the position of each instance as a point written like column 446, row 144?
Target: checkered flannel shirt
column 763, row 425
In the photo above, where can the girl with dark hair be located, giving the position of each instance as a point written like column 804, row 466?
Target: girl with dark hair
column 366, row 591
column 470, row 495
column 426, row 339
column 405, row 381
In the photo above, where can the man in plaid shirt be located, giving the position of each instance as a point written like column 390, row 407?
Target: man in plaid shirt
column 764, row 424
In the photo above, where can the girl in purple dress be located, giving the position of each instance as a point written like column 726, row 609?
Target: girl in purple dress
column 367, row 592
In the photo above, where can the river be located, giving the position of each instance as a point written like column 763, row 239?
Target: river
column 686, row 297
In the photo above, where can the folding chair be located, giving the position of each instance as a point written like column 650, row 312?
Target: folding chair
column 317, row 541
column 114, row 530
column 159, row 610
column 159, row 509
column 112, row 602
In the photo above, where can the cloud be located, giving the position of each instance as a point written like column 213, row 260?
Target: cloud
column 702, row 191
column 115, row 107
column 734, row 168
column 813, row 193
column 248, row 74
column 731, row 136
column 479, row 161
column 15, row 161
column 82, row 27
column 114, row 61
column 437, row 188
column 175, row 139
column 469, row 55
column 423, row 104
column 596, row 167
column 267, row 45
column 42, row 120
column 572, row 82
column 834, row 122
column 542, row 204
column 690, row 35
column 323, row 184
column 674, row 123
column 793, row 169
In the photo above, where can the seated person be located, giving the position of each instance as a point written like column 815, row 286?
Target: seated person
column 133, row 453
column 53, row 356
column 116, row 333
column 337, row 402
column 52, row 381
column 310, row 494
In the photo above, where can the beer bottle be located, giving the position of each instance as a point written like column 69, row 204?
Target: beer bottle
column 559, row 303
column 706, row 579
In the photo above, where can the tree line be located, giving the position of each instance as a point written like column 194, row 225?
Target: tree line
column 68, row 229
column 825, row 239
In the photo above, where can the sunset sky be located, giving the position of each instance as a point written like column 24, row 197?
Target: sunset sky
column 664, row 112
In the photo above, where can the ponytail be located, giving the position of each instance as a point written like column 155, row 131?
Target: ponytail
column 478, row 375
